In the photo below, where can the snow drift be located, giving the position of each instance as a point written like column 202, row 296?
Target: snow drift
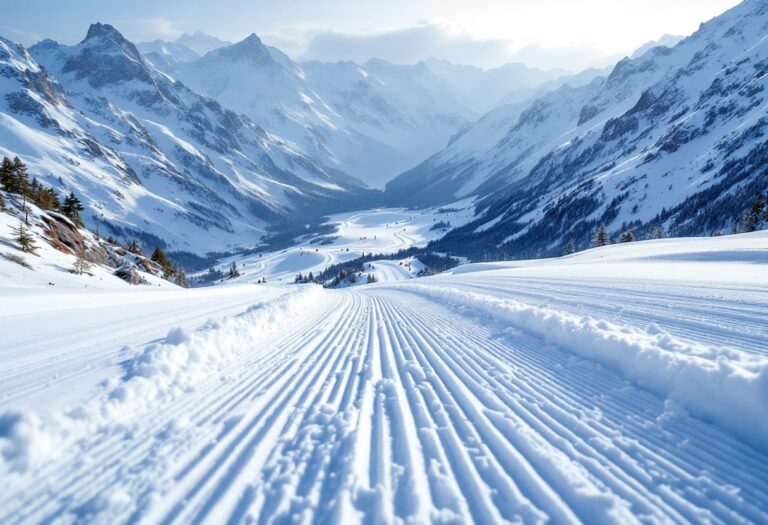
column 692, row 373
column 159, row 373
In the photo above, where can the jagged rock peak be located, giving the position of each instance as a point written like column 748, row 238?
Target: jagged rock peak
column 103, row 31
column 252, row 40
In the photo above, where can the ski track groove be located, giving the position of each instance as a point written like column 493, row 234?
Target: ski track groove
column 548, row 426
column 387, row 407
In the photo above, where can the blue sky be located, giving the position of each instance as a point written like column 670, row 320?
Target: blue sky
column 483, row 32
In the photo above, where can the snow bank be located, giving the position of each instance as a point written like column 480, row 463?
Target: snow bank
column 718, row 384
column 158, row 373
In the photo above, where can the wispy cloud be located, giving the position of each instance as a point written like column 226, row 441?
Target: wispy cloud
column 407, row 45
column 142, row 29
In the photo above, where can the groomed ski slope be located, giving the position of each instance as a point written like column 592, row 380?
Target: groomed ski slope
column 620, row 385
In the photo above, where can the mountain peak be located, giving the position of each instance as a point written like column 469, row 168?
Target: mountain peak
column 103, row 31
column 253, row 39
column 251, row 49
column 252, row 43
column 105, row 38
column 103, row 57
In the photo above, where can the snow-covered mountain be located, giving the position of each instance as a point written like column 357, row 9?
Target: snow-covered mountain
column 675, row 137
column 166, row 55
column 373, row 120
column 486, row 89
column 149, row 157
column 200, row 42
column 665, row 40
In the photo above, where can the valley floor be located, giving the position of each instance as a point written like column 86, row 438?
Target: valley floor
column 624, row 384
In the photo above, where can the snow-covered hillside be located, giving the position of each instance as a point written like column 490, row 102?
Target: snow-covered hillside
column 372, row 121
column 147, row 156
column 166, row 55
column 349, row 236
column 625, row 384
column 674, row 138
column 57, row 253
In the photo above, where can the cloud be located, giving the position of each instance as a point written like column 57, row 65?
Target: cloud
column 411, row 44
column 144, row 29
column 407, row 46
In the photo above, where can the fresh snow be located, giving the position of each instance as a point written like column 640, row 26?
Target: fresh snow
column 623, row 384
column 380, row 231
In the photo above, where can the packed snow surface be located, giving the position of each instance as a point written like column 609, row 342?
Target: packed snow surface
column 619, row 385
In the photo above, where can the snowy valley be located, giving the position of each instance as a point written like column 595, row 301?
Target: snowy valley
column 241, row 287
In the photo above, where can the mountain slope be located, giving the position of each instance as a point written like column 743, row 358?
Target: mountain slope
column 166, row 55
column 149, row 157
column 675, row 137
column 201, row 43
column 372, row 121
column 485, row 89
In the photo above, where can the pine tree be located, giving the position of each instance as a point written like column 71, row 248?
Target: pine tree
column 71, row 207
column 627, row 236
column 602, row 237
column 657, row 233
column 24, row 238
column 371, row 278
column 571, row 248
column 19, row 177
column 50, row 199
column 34, row 189
column 179, row 277
column 310, row 277
column 160, row 258
column 233, row 271
column 6, row 174
column 2, row 203
column 754, row 218
column 13, row 176
column 133, row 246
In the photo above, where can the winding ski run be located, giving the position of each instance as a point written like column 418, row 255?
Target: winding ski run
column 383, row 406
